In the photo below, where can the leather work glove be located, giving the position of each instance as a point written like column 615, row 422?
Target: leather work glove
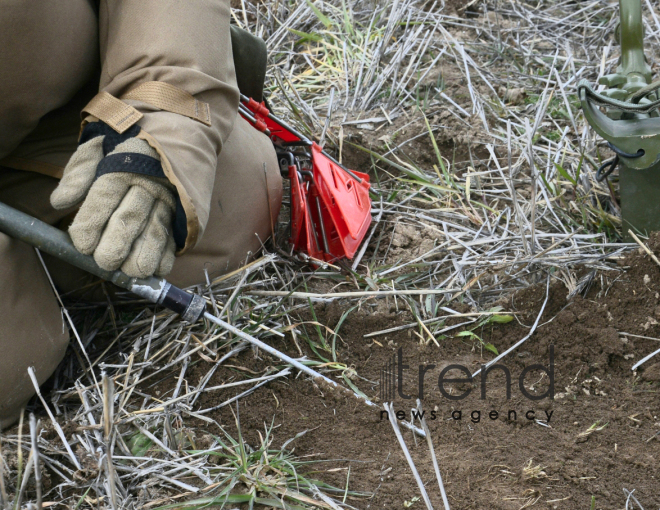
column 128, row 205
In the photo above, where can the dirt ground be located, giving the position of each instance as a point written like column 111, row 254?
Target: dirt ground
column 599, row 435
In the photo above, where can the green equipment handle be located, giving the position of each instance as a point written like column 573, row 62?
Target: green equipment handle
column 630, row 122
column 633, row 71
column 53, row 241
column 632, row 42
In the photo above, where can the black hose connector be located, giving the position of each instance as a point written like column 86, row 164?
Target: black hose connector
column 189, row 306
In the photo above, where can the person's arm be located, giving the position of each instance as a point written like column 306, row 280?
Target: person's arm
column 145, row 168
column 187, row 45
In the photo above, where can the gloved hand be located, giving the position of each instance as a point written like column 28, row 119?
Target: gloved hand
column 128, row 204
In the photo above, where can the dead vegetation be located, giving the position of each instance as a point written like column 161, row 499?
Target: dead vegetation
column 483, row 183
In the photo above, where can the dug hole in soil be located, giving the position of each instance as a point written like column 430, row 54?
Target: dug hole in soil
column 597, row 436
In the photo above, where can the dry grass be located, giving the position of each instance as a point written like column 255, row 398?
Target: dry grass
column 507, row 196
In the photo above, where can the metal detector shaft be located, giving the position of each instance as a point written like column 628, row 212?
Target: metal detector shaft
column 314, row 374
column 191, row 307
column 58, row 244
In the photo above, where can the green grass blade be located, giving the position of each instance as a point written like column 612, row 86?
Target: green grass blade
column 322, row 17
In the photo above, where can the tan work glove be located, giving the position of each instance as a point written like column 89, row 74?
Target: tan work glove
column 128, row 205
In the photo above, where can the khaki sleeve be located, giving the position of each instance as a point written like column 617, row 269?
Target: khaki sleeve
column 185, row 44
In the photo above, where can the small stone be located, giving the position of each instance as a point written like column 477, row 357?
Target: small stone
column 512, row 96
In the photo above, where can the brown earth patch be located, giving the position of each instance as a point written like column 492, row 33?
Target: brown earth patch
column 603, row 422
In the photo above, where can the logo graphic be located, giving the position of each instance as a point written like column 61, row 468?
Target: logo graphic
column 391, row 379
column 388, row 381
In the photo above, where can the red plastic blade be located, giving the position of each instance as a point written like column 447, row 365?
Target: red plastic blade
column 331, row 212
column 346, row 200
column 298, row 211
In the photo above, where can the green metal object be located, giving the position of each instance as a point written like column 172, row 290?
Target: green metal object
column 630, row 122
column 633, row 72
column 640, row 200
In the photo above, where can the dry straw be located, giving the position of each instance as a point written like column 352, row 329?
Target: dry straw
column 470, row 128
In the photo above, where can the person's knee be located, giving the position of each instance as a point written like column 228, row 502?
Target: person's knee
column 41, row 351
column 247, row 196
column 32, row 330
column 42, row 348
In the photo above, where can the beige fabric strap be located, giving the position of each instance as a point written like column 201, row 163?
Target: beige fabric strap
column 172, row 99
column 121, row 116
column 114, row 112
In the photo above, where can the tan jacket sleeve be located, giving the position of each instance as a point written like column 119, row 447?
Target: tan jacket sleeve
column 185, row 44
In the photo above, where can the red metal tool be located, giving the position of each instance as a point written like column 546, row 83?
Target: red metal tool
column 330, row 204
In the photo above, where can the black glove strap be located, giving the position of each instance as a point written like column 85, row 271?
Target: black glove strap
column 133, row 162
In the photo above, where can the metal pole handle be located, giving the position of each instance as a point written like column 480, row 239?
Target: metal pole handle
column 53, row 241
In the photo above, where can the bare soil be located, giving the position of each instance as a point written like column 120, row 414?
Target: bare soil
column 549, row 459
